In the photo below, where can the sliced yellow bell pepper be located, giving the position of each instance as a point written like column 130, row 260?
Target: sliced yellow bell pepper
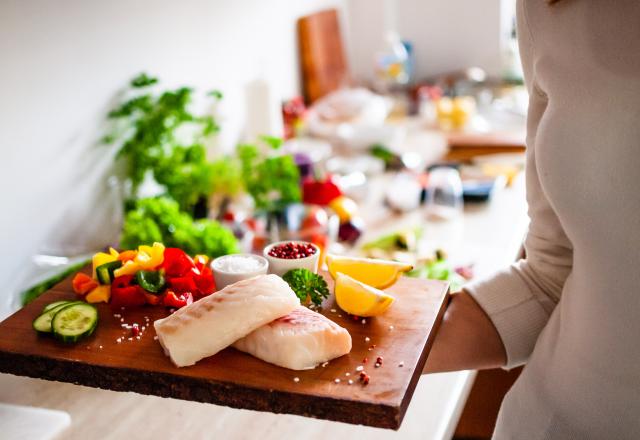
column 114, row 252
column 99, row 294
column 150, row 257
column 128, row 268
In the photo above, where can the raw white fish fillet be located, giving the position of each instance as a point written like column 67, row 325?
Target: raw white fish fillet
column 298, row 341
column 211, row 324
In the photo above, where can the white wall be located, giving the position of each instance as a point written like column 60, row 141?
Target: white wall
column 61, row 64
column 446, row 34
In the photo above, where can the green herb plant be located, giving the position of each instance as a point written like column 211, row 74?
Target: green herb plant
column 158, row 134
column 272, row 180
column 307, row 285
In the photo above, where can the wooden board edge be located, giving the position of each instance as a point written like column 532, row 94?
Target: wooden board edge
column 199, row 390
column 404, row 405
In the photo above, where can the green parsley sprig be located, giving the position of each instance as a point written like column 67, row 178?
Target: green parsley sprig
column 307, row 285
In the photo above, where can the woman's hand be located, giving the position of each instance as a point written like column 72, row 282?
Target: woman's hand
column 467, row 339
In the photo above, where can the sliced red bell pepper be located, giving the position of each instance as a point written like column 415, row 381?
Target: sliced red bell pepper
column 200, row 261
column 172, row 299
column 83, row 283
column 205, row 282
column 203, row 277
column 176, row 263
column 125, row 293
column 182, row 284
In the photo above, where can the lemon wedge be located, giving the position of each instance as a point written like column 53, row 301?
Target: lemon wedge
column 377, row 273
column 359, row 299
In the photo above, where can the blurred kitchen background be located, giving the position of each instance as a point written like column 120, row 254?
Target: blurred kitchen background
column 65, row 63
column 413, row 109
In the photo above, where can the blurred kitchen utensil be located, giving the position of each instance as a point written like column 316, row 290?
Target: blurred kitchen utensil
column 444, row 195
column 317, row 149
column 354, row 118
column 403, row 192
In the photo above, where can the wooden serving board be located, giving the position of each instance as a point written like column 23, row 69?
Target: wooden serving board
column 231, row 378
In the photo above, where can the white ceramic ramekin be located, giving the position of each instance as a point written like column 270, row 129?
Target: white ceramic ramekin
column 280, row 266
column 224, row 278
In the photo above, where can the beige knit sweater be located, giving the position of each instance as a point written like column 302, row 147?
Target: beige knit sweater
column 571, row 309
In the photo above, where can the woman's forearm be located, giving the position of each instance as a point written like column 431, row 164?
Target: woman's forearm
column 467, row 339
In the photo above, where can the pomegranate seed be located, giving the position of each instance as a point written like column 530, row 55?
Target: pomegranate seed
column 292, row 251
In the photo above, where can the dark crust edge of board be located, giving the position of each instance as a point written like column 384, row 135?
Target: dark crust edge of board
column 201, row 390
column 404, row 405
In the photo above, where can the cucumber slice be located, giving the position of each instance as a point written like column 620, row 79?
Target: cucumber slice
column 74, row 322
column 104, row 272
column 54, row 304
column 43, row 322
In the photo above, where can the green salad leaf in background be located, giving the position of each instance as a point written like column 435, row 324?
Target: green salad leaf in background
column 439, row 268
column 160, row 219
column 405, row 241
column 272, row 180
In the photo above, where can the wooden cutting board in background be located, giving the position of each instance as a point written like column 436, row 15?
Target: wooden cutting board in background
column 322, row 58
column 464, row 146
column 236, row 379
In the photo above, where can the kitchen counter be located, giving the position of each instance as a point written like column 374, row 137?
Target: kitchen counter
column 488, row 235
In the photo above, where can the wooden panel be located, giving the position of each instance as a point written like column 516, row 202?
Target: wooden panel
column 322, row 58
column 237, row 379
column 497, row 140
column 465, row 146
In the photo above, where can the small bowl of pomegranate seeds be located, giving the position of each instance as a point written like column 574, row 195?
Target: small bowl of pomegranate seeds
column 286, row 255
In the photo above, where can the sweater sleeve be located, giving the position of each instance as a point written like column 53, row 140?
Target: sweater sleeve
column 520, row 299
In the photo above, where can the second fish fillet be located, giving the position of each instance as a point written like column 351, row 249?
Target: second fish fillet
column 213, row 323
column 298, row 341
